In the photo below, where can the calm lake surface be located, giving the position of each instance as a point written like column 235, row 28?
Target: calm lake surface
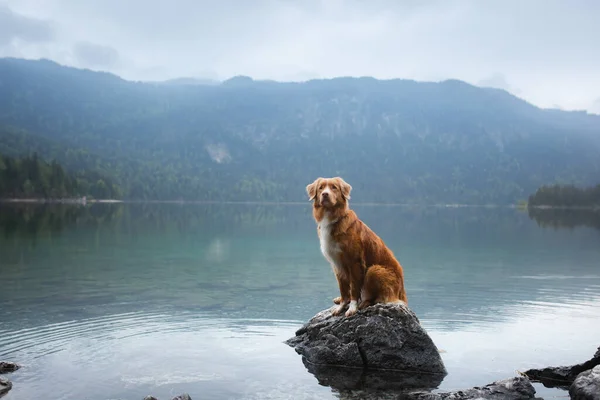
column 120, row 301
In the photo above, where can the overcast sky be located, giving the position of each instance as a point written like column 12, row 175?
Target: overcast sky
column 545, row 51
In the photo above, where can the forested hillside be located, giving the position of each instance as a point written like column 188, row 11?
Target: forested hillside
column 394, row 141
column 566, row 196
column 32, row 178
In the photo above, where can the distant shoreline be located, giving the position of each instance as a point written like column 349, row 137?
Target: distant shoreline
column 60, row 201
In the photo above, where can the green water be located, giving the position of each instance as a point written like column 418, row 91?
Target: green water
column 121, row 301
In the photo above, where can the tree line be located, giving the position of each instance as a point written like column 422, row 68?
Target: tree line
column 566, row 196
column 32, row 177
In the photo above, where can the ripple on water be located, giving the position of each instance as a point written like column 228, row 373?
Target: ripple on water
column 137, row 351
column 59, row 334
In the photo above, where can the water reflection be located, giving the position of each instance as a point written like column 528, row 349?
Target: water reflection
column 565, row 218
column 357, row 383
column 32, row 220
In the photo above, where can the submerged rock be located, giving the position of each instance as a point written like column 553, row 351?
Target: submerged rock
column 563, row 376
column 5, row 386
column 587, row 385
column 379, row 337
column 518, row 388
column 7, row 366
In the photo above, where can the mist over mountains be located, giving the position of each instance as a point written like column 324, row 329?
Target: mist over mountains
column 394, row 141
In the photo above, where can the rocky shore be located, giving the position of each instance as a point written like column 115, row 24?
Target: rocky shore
column 383, row 352
column 581, row 380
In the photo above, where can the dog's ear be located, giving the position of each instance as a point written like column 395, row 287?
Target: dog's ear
column 345, row 187
column 311, row 189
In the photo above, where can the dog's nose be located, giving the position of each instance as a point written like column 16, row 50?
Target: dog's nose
column 325, row 194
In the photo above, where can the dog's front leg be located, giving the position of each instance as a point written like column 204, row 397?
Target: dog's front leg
column 344, row 298
column 357, row 278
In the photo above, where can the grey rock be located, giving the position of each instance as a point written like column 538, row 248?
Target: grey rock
column 7, row 366
column 518, row 388
column 563, row 376
column 150, row 398
column 5, row 386
column 587, row 385
column 184, row 396
column 381, row 336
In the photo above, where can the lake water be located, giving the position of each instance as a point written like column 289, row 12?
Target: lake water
column 121, row 301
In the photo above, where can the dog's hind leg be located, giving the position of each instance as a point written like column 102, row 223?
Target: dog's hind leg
column 381, row 286
column 370, row 288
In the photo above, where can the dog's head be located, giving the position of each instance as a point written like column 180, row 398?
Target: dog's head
column 329, row 192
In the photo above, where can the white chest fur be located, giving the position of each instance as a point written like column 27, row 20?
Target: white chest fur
column 329, row 247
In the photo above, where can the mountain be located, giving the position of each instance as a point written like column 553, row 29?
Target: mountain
column 246, row 140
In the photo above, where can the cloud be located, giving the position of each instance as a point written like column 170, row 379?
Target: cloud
column 595, row 108
column 545, row 48
column 498, row 81
column 14, row 26
column 95, row 55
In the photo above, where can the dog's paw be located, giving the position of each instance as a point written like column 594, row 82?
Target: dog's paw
column 337, row 300
column 352, row 309
column 337, row 310
column 364, row 304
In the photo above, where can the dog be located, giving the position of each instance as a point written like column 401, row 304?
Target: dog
column 366, row 270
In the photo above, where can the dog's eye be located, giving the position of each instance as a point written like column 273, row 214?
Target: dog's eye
column 334, row 187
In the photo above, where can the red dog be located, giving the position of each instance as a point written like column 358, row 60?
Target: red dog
column 365, row 268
